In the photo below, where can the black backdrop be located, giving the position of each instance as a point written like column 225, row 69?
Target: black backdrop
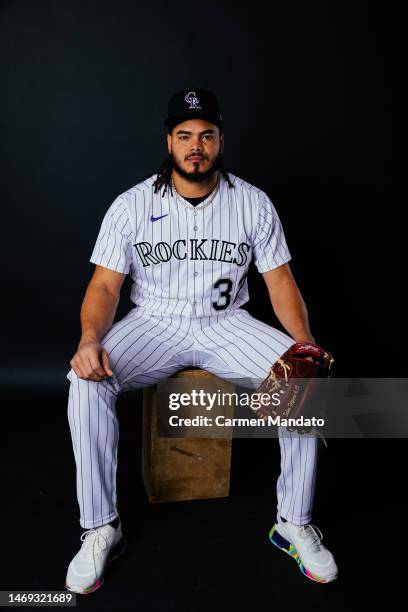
column 304, row 90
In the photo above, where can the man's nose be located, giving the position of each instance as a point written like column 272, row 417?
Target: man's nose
column 196, row 145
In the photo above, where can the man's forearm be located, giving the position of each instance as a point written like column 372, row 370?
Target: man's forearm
column 97, row 312
column 290, row 308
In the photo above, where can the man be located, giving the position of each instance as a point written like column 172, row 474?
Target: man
column 186, row 235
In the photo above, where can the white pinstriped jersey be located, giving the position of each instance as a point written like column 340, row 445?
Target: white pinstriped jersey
column 190, row 260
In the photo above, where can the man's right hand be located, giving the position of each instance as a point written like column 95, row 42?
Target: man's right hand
column 91, row 361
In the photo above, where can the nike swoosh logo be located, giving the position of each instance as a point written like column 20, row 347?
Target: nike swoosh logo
column 153, row 219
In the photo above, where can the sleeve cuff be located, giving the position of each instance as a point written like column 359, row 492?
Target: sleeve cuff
column 119, row 268
column 265, row 267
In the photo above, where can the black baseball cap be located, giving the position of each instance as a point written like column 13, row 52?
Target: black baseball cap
column 193, row 103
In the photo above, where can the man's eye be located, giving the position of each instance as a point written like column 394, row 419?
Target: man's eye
column 209, row 136
column 185, row 137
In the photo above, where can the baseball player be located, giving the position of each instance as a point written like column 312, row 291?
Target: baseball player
column 186, row 235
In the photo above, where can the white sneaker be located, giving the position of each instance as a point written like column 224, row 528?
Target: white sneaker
column 100, row 546
column 305, row 546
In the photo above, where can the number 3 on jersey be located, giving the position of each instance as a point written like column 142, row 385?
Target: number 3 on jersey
column 226, row 293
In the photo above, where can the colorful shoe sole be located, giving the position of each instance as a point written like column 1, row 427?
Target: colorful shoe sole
column 114, row 553
column 283, row 544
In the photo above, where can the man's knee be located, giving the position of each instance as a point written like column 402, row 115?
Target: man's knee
column 109, row 381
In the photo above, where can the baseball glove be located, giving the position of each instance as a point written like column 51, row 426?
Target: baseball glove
column 297, row 377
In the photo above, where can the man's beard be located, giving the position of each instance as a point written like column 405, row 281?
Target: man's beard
column 196, row 176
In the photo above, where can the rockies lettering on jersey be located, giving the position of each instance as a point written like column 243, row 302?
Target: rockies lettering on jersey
column 190, row 260
column 162, row 251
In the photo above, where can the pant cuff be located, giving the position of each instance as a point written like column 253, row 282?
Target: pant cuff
column 98, row 522
column 295, row 520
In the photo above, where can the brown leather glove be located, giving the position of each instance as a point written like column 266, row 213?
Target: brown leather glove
column 295, row 394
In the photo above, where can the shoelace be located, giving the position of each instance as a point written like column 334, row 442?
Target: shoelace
column 90, row 542
column 308, row 531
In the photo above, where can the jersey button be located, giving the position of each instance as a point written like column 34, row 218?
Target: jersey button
column 195, row 273
column 195, row 228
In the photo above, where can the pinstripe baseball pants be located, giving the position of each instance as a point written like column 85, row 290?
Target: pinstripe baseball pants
column 143, row 349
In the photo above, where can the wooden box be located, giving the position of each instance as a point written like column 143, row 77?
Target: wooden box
column 185, row 468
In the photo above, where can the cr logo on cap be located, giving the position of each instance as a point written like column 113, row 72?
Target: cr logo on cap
column 192, row 99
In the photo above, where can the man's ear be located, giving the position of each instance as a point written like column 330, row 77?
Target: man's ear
column 169, row 143
column 222, row 142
